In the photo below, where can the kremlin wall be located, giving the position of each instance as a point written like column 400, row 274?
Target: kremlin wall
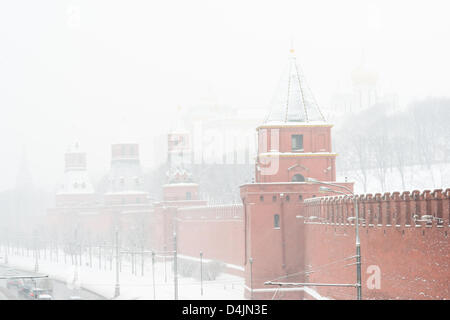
column 286, row 229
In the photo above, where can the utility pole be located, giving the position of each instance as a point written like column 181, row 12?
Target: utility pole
column 201, row 273
column 357, row 240
column 6, row 257
column 100, row 256
column 90, row 254
column 36, row 264
column 358, row 252
column 132, row 262
column 165, row 269
column 81, row 254
column 251, row 278
column 175, row 278
column 153, row 275
column 117, row 288
column 142, row 261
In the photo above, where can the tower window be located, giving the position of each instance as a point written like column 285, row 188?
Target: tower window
column 274, row 198
column 297, row 142
column 261, row 198
column 300, row 197
column 298, row 178
column 188, row 196
column 276, row 221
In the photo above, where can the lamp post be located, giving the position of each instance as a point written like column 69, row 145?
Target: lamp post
column 153, row 274
column 358, row 244
column 165, row 269
column 201, row 273
column 117, row 287
column 175, row 266
column 36, row 256
column 251, row 278
column 6, row 255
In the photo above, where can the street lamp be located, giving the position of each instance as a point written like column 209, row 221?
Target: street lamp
column 358, row 244
column 251, row 277
column 117, row 287
column 175, row 265
column 201, row 273
column 153, row 274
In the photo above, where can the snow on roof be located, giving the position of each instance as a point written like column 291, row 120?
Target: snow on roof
column 181, row 184
column 125, row 192
column 312, row 123
column 300, row 154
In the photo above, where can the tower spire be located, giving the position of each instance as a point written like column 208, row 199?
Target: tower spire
column 294, row 101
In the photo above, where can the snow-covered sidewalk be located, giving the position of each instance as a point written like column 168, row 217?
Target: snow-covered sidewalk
column 102, row 280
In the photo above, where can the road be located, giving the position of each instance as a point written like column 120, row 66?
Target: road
column 60, row 290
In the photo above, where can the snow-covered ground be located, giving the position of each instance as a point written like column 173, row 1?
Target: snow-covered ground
column 225, row 287
column 416, row 178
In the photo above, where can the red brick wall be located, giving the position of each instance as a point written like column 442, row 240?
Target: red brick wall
column 217, row 231
column 413, row 259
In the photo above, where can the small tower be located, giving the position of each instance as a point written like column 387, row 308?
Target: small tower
column 125, row 180
column 76, row 188
column 179, row 191
column 294, row 143
column 180, row 185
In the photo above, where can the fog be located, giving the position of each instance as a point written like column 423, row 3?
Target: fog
column 98, row 71
column 90, row 74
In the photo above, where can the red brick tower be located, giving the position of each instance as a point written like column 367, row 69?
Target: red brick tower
column 180, row 185
column 294, row 144
column 179, row 191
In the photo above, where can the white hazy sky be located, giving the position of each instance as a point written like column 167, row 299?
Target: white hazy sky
column 76, row 70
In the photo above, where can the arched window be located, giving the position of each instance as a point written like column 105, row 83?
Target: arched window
column 298, row 178
column 276, row 221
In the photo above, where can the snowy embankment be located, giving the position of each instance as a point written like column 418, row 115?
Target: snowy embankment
column 102, row 280
column 415, row 177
